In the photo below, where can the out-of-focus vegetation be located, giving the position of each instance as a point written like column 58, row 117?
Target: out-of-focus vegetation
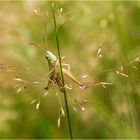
column 112, row 112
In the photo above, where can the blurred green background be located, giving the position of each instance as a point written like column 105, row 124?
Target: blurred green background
column 112, row 112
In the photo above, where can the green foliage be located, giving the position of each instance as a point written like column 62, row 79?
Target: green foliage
column 111, row 112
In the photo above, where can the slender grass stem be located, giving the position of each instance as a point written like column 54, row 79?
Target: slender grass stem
column 63, row 82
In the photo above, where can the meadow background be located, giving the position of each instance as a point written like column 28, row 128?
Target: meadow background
column 112, row 112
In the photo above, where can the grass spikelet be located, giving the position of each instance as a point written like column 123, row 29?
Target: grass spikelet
column 81, row 107
column 134, row 67
column 137, row 59
column 68, row 87
column 84, row 76
column 18, row 90
column 9, row 70
column 35, row 11
column 75, row 109
column 62, row 112
column 98, row 52
column 63, row 57
column 60, row 104
column 19, row 87
column 106, row 83
column 120, row 73
column 104, row 86
column 100, row 56
column 33, row 101
column 121, row 68
column 59, row 120
column 37, row 105
column 45, row 93
column 18, row 79
column 85, row 100
column 35, row 82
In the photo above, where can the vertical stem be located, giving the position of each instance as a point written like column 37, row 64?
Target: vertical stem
column 63, row 82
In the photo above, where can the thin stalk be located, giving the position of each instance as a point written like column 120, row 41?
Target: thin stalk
column 63, row 82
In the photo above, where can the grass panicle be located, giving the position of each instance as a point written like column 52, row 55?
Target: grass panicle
column 62, row 77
